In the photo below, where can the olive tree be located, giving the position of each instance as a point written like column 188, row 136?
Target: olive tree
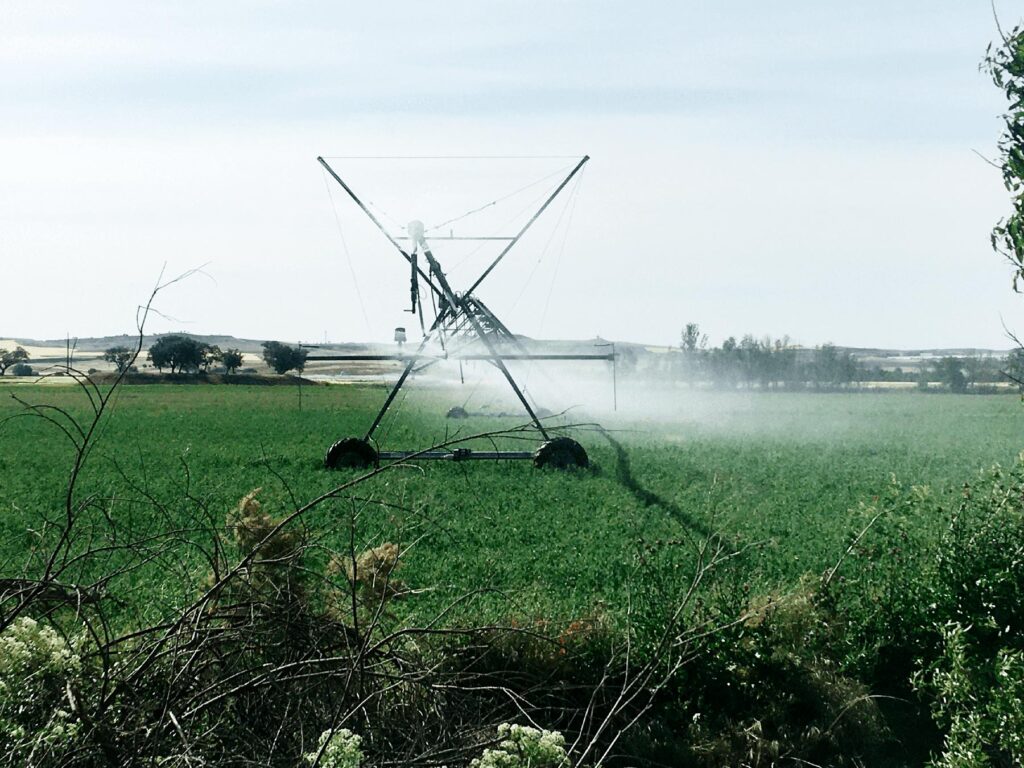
column 121, row 357
column 179, row 353
column 231, row 359
column 283, row 357
column 9, row 358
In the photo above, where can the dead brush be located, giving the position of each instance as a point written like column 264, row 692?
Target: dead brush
column 779, row 697
column 370, row 574
column 273, row 575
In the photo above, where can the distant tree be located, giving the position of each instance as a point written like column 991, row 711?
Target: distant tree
column 121, row 357
column 849, row 369
column 692, row 344
column 724, row 363
column 211, row 354
column 21, row 369
column 981, row 369
column 833, row 367
column 283, row 358
column 11, row 357
column 1015, row 367
column 825, row 368
column 950, row 371
column 692, row 339
column 179, row 353
column 231, row 359
column 784, row 362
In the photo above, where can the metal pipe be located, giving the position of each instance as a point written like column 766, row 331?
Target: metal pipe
column 459, row 454
column 403, row 358
column 475, row 239
column 528, row 224
column 380, row 226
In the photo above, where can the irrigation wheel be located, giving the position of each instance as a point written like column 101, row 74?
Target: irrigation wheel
column 561, row 453
column 351, row 452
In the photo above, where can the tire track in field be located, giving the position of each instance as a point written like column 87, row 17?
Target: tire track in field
column 647, row 497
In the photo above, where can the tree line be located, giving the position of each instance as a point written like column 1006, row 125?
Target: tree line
column 183, row 354
column 767, row 363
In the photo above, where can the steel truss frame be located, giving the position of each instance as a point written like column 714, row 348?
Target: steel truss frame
column 458, row 316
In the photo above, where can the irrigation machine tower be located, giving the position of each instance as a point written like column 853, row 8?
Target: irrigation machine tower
column 465, row 329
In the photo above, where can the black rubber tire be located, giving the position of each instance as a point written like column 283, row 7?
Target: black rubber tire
column 457, row 412
column 561, row 453
column 351, row 452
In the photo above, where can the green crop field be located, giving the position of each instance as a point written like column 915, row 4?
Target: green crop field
column 786, row 471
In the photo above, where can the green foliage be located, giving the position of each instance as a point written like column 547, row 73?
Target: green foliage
column 764, row 363
column 692, row 339
column 180, row 353
column 11, row 357
column 1015, row 367
column 950, row 372
column 340, row 749
column 231, row 359
column 769, row 691
column 120, row 356
column 524, row 747
column 21, row 369
column 40, row 672
column 975, row 680
column 782, row 468
column 211, row 354
column 1005, row 63
column 945, row 612
column 978, row 701
column 283, row 358
column 793, row 680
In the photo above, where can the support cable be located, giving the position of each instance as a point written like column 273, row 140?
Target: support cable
column 527, row 207
column 547, row 244
column 570, row 207
column 501, row 199
column 561, row 253
column 348, row 256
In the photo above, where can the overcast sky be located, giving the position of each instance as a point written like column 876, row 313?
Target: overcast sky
column 800, row 168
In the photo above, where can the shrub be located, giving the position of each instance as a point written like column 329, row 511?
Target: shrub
column 524, row 747
column 945, row 618
column 21, row 369
column 978, row 701
column 370, row 574
column 340, row 749
column 39, row 672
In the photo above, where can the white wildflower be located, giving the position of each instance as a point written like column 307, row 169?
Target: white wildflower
column 525, row 747
column 338, row 750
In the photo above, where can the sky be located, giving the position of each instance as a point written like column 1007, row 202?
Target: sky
column 796, row 168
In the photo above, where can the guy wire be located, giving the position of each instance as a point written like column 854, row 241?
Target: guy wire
column 348, row 256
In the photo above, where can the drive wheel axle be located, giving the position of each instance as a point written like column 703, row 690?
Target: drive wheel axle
column 561, row 453
column 351, row 452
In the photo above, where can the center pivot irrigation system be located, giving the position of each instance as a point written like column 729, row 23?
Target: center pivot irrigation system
column 462, row 323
